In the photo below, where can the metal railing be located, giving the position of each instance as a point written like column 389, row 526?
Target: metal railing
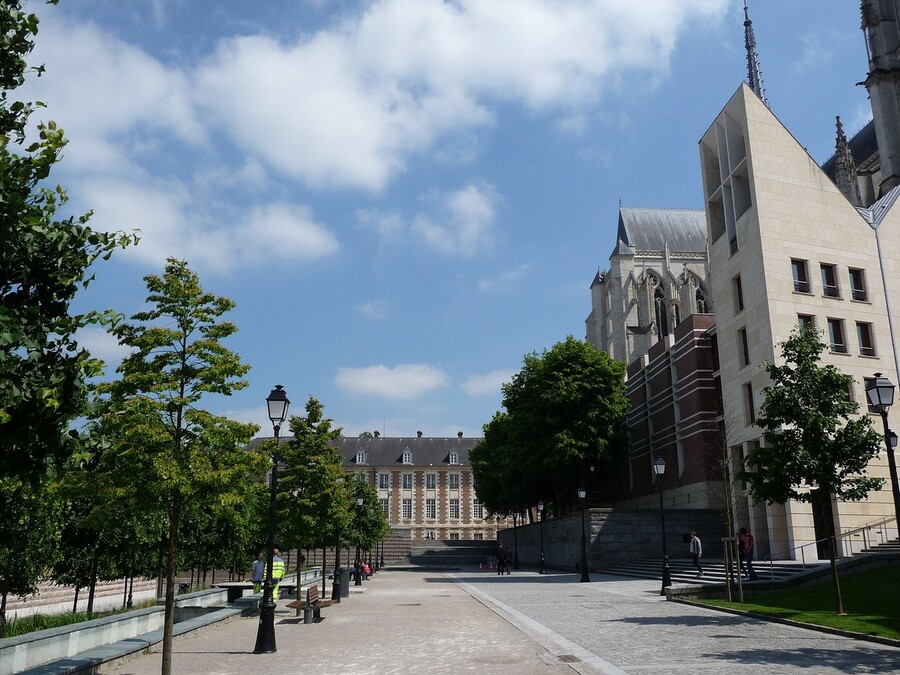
column 842, row 539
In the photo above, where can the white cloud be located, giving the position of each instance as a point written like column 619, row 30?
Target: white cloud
column 489, row 383
column 375, row 309
column 504, row 280
column 102, row 345
column 402, row 382
column 463, row 223
column 816, row 51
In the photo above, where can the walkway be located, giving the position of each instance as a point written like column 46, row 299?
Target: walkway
column 524, row 624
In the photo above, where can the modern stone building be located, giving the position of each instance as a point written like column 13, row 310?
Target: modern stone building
column 424, row 484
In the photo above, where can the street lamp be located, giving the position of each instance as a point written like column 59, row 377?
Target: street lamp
column 582, row 495
column 515, row 542
column 659, row 468
column 541, row 518
column 278, row 403
column 880, row 392
column 497, row 529
column 359, row 507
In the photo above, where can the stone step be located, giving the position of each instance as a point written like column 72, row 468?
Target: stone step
column 714, row 572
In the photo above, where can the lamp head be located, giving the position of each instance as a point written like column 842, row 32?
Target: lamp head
column 277, row 402
column 659, row 465
column 880, row 393
column 582, row 493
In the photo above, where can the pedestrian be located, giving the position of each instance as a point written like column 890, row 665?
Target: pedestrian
column 747, row 555
column 696, row 552
column 277, row 573
column 258, row 571
column 507, row 557
column 500, row 559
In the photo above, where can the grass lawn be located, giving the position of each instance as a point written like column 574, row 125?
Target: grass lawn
column 870, row 601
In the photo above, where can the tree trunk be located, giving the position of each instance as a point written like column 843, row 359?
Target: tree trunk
column 3, row 614
column 171, row 564
column 75, row 604
column 93, row 588
column 828, row 512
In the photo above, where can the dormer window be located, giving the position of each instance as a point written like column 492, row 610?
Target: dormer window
column 407, row 457
column 454, row 458
column 361, row 457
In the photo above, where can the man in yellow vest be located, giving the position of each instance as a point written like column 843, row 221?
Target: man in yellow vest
column 277, row 573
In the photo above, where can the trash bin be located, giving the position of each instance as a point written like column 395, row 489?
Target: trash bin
column 345, row 582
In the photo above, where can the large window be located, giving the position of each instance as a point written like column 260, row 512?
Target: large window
column 407, row 508
column 837, row 342
column 749, row 403
column 866, row 341
column 801, row 276
column 737, row 289
column 430, row 508
column 830, row 281
column 384, row 481
column 804, row 320
column 477, row 509
column 430, row 481
column 385, row 507
column 454, row 508
column 858, row 285
column 743, row 347
column 407, row 481
column 454, row 481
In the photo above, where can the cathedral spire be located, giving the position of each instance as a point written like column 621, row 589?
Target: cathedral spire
column 754, row 75
column 845, row 167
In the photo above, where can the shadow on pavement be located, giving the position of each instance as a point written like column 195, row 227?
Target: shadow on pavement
column 860, row 660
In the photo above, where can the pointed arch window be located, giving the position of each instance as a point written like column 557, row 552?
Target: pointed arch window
column 662, row 320
column 702, row 302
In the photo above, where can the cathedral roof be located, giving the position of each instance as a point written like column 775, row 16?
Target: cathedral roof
column 682, row 230
column 863, row 146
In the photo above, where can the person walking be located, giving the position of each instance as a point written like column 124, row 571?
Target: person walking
column 258, row 571
column 277, row 573
column 696, row 552
column 747, row 555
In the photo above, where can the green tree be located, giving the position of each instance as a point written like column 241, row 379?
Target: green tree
column 816, row 450
column 44, row 260
column 177, row 359
column 565, row 411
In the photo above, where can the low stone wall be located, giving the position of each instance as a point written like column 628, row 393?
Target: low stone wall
column 614, row 536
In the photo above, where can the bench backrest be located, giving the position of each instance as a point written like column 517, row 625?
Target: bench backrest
column 312, row 595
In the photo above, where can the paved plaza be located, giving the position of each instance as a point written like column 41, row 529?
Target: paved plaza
column 523, row 624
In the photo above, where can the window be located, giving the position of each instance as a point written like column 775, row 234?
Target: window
column 739, row 452
column 858, row 285
column 749, row 404
column 454, row 536
column 454, row 508
column 801, row 278
column 738, row 291
column 836, row 336
column 478, row 536
column 477, row 509
column 430, row 481
column 830, row 281
column 385, row 508
column 407, row 508
column 384, row 481
column 360, row 476
column 407, row 481
column 743, row 347
column 806, row 321
column 361, row 457
column 866, row 341
column 662, row 319
column 454, row 458
column 430, row 508
column 454, row 481
column 407, row 457
column 702, row 302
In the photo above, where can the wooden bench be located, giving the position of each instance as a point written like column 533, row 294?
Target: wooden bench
column 312, row 606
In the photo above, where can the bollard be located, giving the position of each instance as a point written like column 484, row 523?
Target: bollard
column 336, row 586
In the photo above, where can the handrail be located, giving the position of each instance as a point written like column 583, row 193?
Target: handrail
column 864, row 529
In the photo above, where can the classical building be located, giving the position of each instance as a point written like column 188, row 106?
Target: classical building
column 424, row 484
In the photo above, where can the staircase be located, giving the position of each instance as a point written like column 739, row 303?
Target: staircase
column 682, row 571
column 890, row 546
column 53, row 599
column 449, row 554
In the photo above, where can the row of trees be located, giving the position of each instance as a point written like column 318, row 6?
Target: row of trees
column 132, row 476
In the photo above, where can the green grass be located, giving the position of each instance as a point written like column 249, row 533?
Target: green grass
column 29, row 624
column 870, row 601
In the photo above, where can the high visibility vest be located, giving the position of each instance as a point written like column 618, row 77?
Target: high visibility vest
column 277, row 569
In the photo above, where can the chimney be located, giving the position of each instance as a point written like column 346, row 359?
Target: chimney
column 459, row 434
column 377, row 434
column 418, row 434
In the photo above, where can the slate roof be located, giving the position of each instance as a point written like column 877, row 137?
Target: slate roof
column 388, row 451
column 684, row 230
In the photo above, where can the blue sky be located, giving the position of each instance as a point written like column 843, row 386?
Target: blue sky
column 405, row 197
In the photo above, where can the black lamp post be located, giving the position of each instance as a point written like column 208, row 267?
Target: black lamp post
column 659, row 468
column 582, row 495
column 278, row 403
column 359, row 508
column 541, row 518
column 515, row 542
column 880, row 392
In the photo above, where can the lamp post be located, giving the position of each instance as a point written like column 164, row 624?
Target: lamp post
column 497, row 529
column 541, row 519
column 357, row 566
column 278, row 403
column 582, row 495
column 659, row 468
column 515, row 542
column 880, row 392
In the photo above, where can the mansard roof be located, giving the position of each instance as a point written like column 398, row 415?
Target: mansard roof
column 386, row 451
column 682, row 230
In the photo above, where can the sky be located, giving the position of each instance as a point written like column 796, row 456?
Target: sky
column 405, row 197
